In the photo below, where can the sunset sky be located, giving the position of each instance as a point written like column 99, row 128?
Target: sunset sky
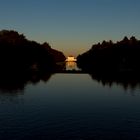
column 71, row 26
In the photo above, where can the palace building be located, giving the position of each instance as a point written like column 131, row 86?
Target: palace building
column 71, row 59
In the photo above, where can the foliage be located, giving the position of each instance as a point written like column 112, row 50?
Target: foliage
column 18, row 53
column 108, row 56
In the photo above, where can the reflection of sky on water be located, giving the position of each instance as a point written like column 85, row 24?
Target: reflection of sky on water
column 70, row 105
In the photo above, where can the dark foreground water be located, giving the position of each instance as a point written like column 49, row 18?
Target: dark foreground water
column 70, row 107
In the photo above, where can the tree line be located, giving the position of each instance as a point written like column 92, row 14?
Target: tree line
column 20, row 54
column 122, row 56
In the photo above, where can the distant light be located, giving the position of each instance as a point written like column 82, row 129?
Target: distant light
column 71, row 59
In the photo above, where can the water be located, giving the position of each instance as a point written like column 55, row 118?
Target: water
column 70, row 107
column 71, row 65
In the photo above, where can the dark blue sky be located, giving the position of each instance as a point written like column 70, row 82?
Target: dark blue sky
column 72, row 26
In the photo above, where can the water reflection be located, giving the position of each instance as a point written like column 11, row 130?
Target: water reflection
column 71, row 65
column 15, row 83
column 125, row 80
column 69, row 106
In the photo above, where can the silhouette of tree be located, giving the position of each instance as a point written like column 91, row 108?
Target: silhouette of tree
column 18, row 53
column 108, row 56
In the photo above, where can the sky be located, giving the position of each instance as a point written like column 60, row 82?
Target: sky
column 71, row 26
